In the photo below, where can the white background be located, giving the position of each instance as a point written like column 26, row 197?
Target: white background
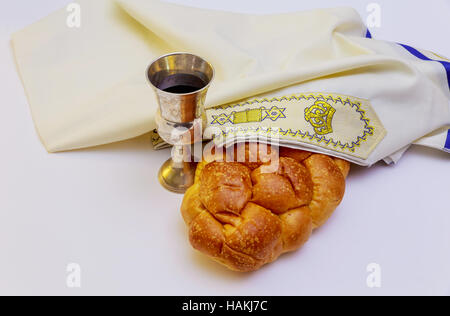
column 103, row 208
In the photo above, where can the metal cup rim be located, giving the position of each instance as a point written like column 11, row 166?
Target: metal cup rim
column 180, row 94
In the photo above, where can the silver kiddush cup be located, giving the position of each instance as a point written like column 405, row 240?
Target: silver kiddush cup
column 181, row 82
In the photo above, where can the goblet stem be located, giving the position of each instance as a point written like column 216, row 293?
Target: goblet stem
column 177, row 174
column 178, row 156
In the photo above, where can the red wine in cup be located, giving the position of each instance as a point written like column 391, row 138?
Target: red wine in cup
column 181, row 83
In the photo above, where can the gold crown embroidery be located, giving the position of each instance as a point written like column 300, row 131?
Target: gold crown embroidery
column 320, row 116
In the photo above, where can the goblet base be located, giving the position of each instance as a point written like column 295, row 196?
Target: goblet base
column 177, row 177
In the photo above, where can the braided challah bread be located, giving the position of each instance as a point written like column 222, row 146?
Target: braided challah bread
column 244, row 217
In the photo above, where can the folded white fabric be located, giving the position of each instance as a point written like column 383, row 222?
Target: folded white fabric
column 315, row 75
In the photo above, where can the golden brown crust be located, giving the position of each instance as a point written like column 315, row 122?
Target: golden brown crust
column 329, row 187
column 206, row 234
column 257, row 235
column 297, row 227
column 244, row 217
column 225, row 187
column 192, row 206
column 289, row 187
column 343, row 165
column 296, row 154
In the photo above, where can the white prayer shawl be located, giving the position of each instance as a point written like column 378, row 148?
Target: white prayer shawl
column 315, row 75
